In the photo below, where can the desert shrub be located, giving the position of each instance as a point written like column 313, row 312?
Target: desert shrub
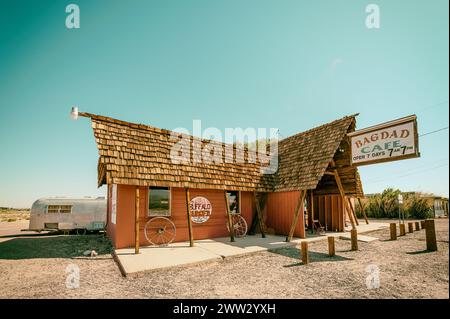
column 384, row 205
column 418, row 208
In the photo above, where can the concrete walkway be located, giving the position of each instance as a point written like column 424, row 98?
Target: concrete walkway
column 209, row 250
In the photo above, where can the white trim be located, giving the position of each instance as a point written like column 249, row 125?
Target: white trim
column 114, row 204
column 383, row 125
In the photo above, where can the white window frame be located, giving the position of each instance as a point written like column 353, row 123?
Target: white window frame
column 169, row 214
column 59, row 209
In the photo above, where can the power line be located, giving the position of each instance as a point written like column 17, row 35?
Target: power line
column 441, row 129
column 416, row 169
column 409, row 174
column 433, row 105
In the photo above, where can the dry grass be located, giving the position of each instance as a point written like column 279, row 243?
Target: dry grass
column 12, row 214
column 407, row 270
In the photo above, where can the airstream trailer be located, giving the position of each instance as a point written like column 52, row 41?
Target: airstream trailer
column 59, row 213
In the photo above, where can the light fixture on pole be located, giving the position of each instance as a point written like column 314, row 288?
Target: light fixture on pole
column 74, row 113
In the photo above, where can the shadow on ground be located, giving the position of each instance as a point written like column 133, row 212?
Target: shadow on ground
column 69, row 246
column 419, row 252
column 314, row 257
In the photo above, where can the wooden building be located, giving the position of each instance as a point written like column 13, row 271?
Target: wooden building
column 313, row 184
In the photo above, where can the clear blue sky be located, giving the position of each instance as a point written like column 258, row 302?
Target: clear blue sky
column 250, row 63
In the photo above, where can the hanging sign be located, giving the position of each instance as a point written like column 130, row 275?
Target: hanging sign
column 390, row 141
column 201, row 209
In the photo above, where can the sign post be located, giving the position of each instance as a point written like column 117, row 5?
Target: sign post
column 401, row 216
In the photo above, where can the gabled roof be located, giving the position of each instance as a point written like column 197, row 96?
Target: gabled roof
column 136, row 154
column 304, row 157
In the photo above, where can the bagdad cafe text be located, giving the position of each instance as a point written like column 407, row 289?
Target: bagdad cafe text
column 390, row 141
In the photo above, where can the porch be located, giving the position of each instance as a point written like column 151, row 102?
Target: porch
column 213, row 250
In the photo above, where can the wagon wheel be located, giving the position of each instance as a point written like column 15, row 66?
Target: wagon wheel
column 160, row 231
column 239, row 225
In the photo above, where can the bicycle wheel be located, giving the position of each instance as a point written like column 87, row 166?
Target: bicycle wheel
column 160, row 231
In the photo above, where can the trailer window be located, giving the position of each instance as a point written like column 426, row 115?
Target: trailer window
column 233, row 202
column 53, row 209
column 159, row 201
column 67, row 209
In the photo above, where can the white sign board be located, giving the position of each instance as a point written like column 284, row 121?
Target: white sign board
column 386, row 142
column 400, row 198
column 113, row 203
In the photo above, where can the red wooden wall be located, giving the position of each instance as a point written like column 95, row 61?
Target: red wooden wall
column 329, row 209
column 122, row 234
column 280, row 207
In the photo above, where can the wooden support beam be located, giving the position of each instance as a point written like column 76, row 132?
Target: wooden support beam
column 312, row 208
column 230, row 222
column 342, row 192
column 296, row 214
column 353, row 211
column 189, row 220
column 136, row 222
column 328, row 173
column 410, row 227
column 259, row 214
column 363, row 211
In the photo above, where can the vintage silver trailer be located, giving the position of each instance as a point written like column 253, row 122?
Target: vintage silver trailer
column 61, row 213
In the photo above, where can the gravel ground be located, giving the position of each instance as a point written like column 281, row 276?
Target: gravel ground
column 406, row 270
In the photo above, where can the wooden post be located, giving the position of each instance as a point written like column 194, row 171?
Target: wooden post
column 353, row 211
column 354, row 238
column 304, row 249
column 136, row 222
column 312, row 210
column 331, row 248
column 402, row 229
column 230, row 222
column 417, row 226
column 393, row 227
column 296, row 214
column 430, row 234
column 262, row 226
column 342, row 192
column 188, row 211
column 363, row 211
column 422, row 224
column 410, row 227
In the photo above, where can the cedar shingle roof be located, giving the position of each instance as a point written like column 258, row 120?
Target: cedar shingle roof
column 136, row 154
column 304, row 157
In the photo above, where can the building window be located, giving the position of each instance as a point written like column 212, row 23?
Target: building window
column 234, row 202
column 159, row 201
column 54, row 209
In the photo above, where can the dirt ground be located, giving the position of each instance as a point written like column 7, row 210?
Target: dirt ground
column 35, row 267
